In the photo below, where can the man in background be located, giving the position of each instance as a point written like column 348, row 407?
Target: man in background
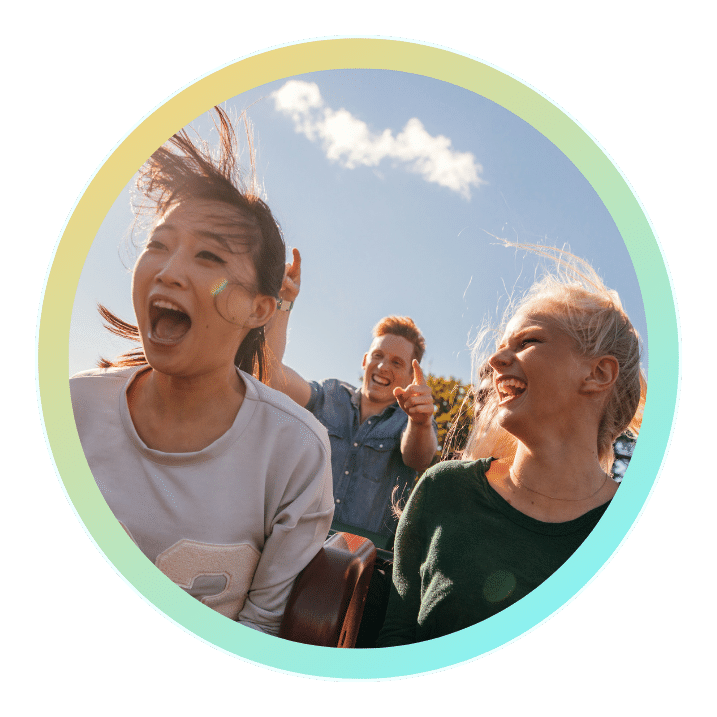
column 382, row 433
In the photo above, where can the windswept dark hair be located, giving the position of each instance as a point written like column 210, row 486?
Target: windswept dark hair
column 188, row 168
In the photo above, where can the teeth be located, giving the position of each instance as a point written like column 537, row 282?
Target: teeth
column 162, row 304
column 511, row 386
column 381, row 381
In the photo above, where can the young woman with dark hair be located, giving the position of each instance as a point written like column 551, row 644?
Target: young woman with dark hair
column 223, row 483
column 563, row 383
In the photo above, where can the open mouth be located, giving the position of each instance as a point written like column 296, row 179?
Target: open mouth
column 510, row 388
column 380, row 380
column 169, row 324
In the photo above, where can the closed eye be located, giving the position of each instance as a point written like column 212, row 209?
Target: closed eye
column 210, row 256
column 154, row 244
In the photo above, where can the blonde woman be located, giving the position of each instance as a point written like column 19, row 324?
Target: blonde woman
column 562, row 384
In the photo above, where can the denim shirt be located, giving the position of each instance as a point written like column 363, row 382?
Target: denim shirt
column 365, row 457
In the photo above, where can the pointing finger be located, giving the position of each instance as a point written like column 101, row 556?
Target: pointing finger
column 418, row 378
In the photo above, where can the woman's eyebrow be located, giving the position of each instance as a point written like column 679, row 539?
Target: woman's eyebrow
column 214, row 237
column 527, row 330
column 517, row 335
column 227, row 239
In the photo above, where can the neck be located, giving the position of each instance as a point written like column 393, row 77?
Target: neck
column 184, row 414
column 192, row 395
column 563, row 471
column 555, row 487
column 370, row 408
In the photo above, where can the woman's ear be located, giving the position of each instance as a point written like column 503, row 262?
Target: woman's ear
column 603, row 373
column 264, row 308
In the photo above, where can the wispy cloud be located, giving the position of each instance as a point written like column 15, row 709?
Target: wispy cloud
column 349, row 141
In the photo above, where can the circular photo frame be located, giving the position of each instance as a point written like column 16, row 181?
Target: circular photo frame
column 348, row 54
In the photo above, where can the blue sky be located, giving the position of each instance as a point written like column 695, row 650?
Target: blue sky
column 394, row 187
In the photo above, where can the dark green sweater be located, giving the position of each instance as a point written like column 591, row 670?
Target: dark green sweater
column 463, row 553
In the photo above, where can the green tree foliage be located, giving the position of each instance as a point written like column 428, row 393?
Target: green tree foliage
column 449, row 396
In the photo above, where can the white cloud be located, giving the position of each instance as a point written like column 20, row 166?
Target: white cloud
column 349, row 141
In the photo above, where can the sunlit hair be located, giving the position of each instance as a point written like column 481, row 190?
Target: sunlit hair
column 577, row 300
column 188, row 168
column 404, row 327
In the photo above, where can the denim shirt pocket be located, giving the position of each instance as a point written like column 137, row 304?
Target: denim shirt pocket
column 335, row 431
column 376, row 457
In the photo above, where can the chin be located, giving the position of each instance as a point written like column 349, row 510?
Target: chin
column 166, row 362
column 378, row 396
column 164, row 367
column 508, row 421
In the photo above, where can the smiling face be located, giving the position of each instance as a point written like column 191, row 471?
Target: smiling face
column 387, row 365
column 194, row 288
column 538, row 375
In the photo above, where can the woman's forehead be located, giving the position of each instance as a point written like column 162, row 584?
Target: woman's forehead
column 528, row 316
column 531, row 317
column 210, row 216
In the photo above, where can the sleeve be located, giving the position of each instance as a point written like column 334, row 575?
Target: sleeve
column 404, row 603
column 316, row 389
column 327, row 396
column 295, row 533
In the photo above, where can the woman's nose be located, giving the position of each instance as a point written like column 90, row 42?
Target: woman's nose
column 501, row 358
column 172, row 272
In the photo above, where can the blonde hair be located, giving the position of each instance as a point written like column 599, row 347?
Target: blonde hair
column 576, row 298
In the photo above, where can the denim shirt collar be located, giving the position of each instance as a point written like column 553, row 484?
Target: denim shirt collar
column 356, row 401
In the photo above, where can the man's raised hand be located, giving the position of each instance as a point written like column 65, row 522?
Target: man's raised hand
column 416, row 399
